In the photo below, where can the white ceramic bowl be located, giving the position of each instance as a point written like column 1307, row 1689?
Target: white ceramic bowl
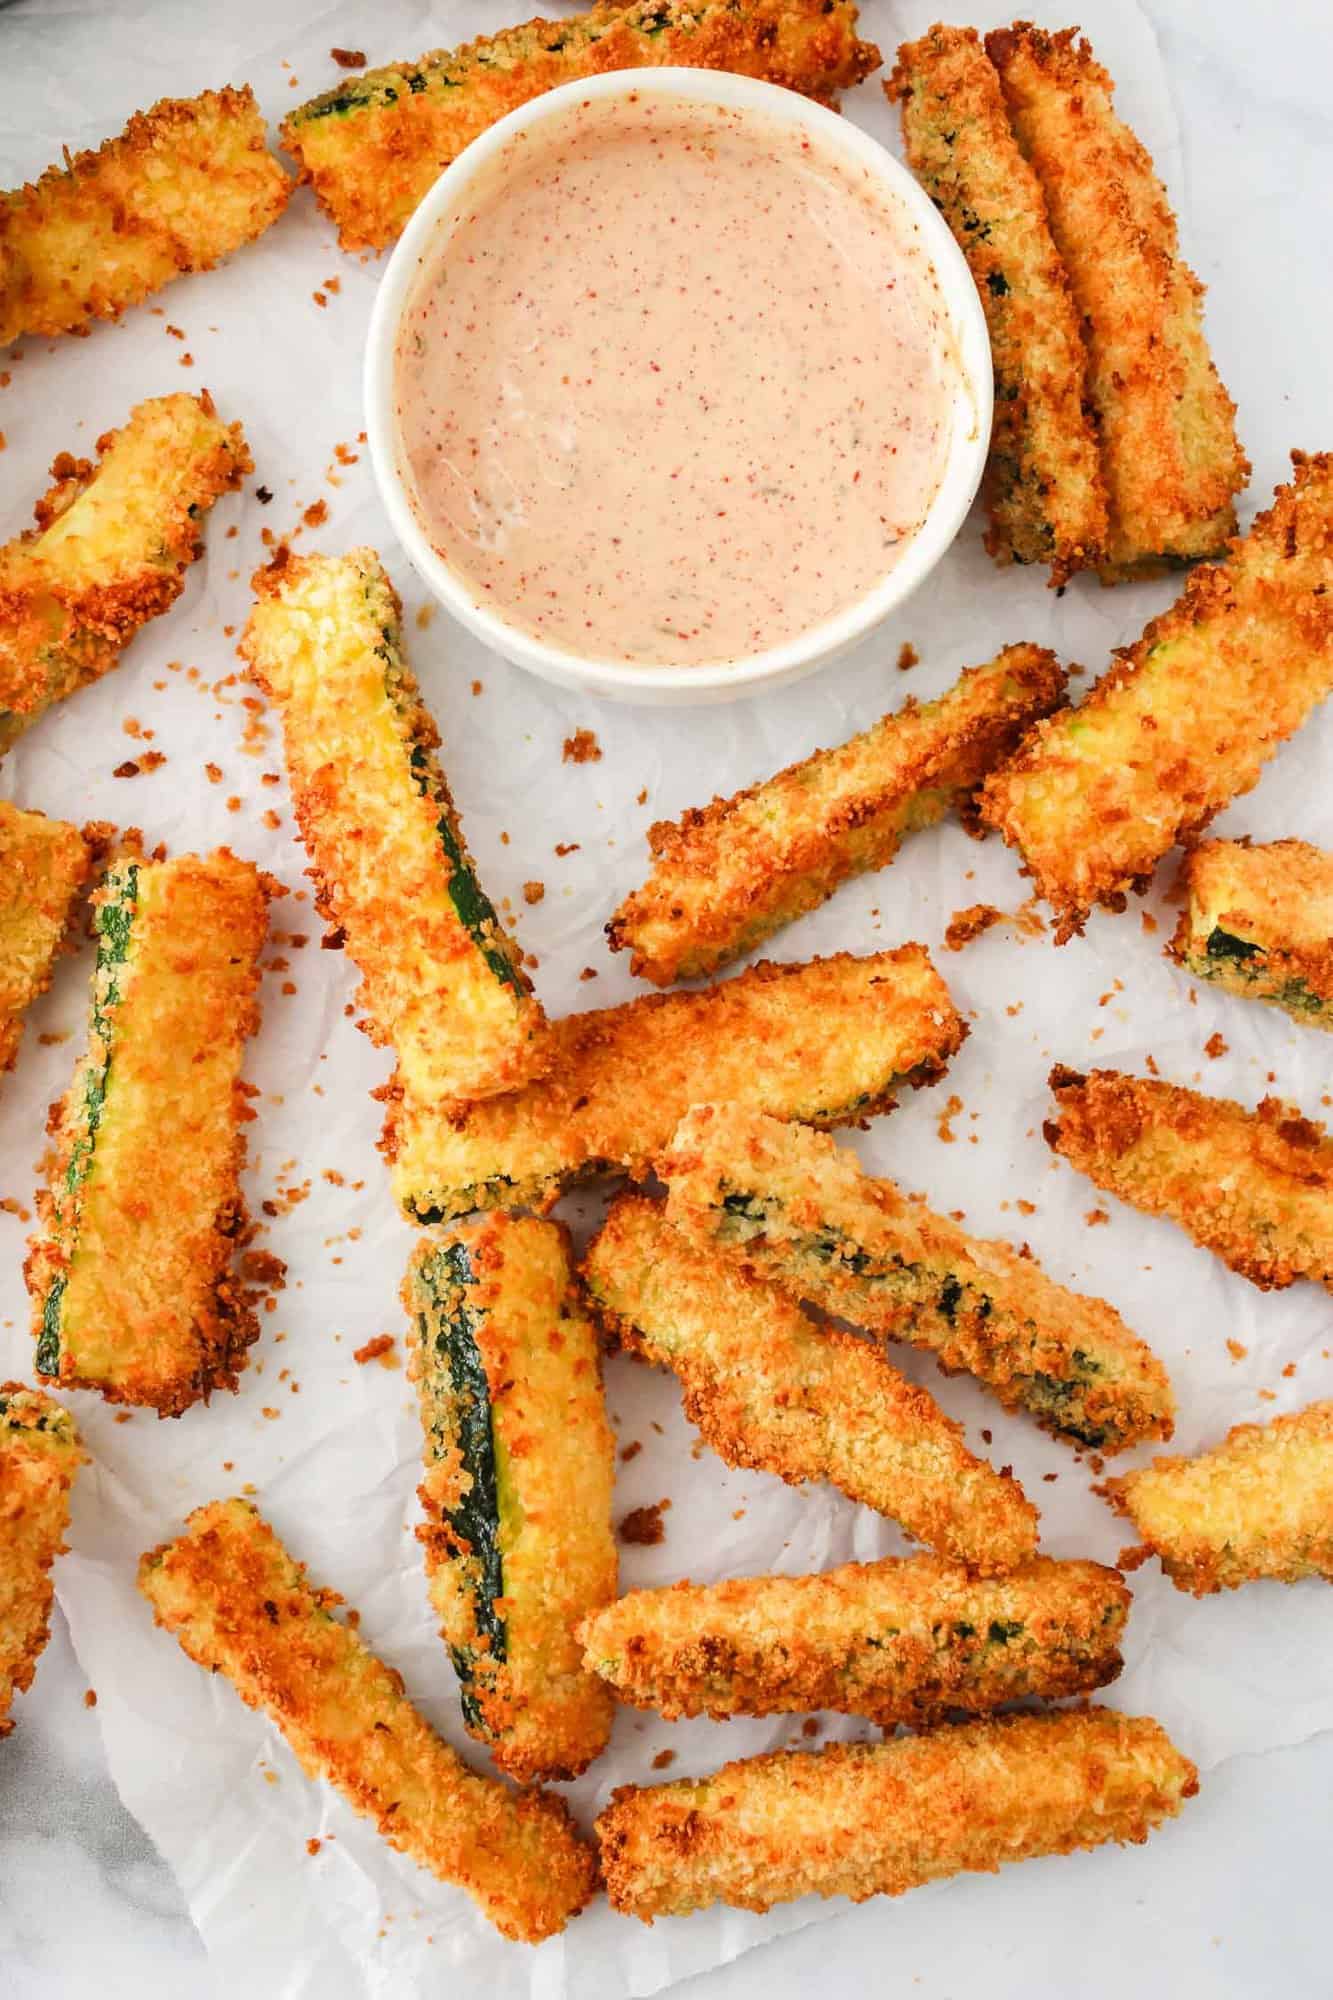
column 431, row 226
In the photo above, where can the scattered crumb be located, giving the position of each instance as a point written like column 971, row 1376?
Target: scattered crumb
column 316, row 514
column 1148, row 921
column 381, row 1349
column 985, row 1437
column 564, row 847
column 533, row 891
column 641, row 798
column 643, row 1527
column 476, row 687
column 345, row 59
column 1050, row 1478
column 630, row 1451
column 588, row 972
column 964, row 925
column 1268, row 1395
column 663, row 1759
column 10, row 1205
column 1025, row 1207
column 90, row 1698
column 1289, row 1371
column 425, row 616
column 313, row 1846
column 581, row 748
column 942, row 1125
column 263, row 495
column 1095, row 1216
column 1151, row 1066
column 810, row 1727
column 1214, row 1046
column 908, row 657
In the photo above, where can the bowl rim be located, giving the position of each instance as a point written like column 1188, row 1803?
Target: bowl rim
column 810, row 649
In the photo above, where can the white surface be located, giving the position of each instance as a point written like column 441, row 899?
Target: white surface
column 1230, row 1899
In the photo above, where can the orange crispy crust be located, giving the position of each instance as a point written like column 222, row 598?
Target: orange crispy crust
column 39, row 1456
column 43, row 865
column 1281, row 885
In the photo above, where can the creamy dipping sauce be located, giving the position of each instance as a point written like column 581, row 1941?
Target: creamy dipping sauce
column 678, row 388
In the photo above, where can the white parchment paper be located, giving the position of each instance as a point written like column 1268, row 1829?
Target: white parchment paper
column 330, row 1447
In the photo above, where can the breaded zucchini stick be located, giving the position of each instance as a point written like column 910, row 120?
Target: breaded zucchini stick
column 1187, row 717
column 1168, row 427
column 1043, row 487
column 39, row 1456
column 1260, row 1504
column 240, row 1606
column 373, row 146
column 43, row 865
column 1254, row 1187
column 828, row 1041
column 1259, row 921
column 131, row 1274
column 770, row 1390
column 443, row 982
column 110, row 550
column 520, row 1465
column 727, row 876
column 899, row 1640
column 800, row 1212
column 183, row 186
column 874, row 1819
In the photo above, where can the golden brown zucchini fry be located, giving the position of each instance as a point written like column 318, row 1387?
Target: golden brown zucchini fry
column 43, row 865
column 373, row 146
column 520, row 1465
column 828, row 1041
column 1254, row 1187
column 726, row 877
column 1259, row 922
column 1044, row 486
column 769, row 1389
column 110, row 550
column 1168, row 427
column 1187, row 717
column 863, row 1819
column 801, row 1213
column 240, row 1606
column 1260, row 1504
column 39, row 1456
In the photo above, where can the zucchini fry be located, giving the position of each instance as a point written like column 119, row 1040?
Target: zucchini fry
column 829, row 1041
column 1044, row 487
column 110, row 550
column 131, row 1275
column 43, row 865
column 898, row 1641
column 800, row 1212
column 442, row 980
column 372, row 147
column 1168, row 427
column 182, row 186
column 239, row 1605
column 1259, row 922
column 769, row 1389
column 1254, row 1187
column 39, row 1456
column 874, row 1819
column 1186, row 719
column 726, row 877
column 520, row 1465
column 1260, row 1504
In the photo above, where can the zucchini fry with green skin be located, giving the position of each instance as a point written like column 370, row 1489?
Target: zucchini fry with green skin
column 1259, row 922
column 372, row 147
column 1043, row 487
column 240, row 1606
column 110, row 550
column 43, row 865
column 520, row 1465
column 442, row 980
column 1167, row 426
column 1254, row 1187
column 770, row 1390
column 727, row 876
column 802, row 1213
column 131, row 1275
column 1259, row 1505
column 875, row 1819
column 1186, row 719
column 829, row 1041
column 898, row 1641
column 39, row 1456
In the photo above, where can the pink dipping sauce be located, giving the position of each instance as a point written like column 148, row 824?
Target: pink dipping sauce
column 679, row 386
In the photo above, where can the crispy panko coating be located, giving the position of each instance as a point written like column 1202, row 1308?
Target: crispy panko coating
column 1259, row 921
column 1167, row 426
column 240, row 1606
column 39, row 1456
column 863, row 1819
column 1043, row 487
column 43, row 865
column 131, row 1274
column 769, row 1389
column 110, row 550
column 828, row 1041
column 519, row 1471
column 1259, row 1505
column 373, row 147
column 1185, row 719
column 183, row 186
column 1254, row 1187
column 800, row 1212
column 728, row 875
column 443, row 982
column 898, row 1640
